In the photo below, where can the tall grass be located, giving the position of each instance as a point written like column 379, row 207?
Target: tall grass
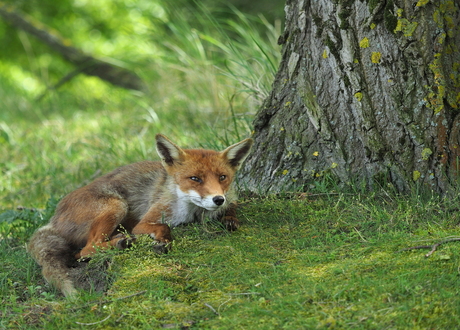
column 234, row 47
column 226, row 67
column 204, row 85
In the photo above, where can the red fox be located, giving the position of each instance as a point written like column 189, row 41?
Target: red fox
column 141, row 198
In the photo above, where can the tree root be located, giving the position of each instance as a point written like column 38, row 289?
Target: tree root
column 432, row 247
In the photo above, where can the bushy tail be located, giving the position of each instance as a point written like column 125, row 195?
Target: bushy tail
column 53, row 253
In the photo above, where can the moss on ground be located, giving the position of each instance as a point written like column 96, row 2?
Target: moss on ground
column 299, row 261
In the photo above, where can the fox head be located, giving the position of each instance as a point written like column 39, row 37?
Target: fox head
column 202, row 177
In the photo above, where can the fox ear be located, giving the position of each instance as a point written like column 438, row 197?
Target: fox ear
column 237, row 153
column 168, row 151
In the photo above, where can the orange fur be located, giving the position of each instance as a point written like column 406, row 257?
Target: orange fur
column 141, row 198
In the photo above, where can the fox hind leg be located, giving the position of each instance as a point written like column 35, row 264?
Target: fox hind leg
column 103, row 228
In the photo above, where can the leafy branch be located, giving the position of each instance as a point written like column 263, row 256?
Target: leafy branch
column 85, row 63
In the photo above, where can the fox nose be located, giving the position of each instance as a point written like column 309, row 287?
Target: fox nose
column 218, row 200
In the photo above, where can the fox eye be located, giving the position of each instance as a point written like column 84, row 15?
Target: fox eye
column 222, row 177
column 196, row 179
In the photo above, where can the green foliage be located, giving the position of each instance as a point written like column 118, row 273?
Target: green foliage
column 19, row 224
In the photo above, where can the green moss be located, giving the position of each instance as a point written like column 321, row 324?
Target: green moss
column 436, row 96
column 372, row 4
column 319, row 25
column 426, row 153
column 422, row 3
column 445, row 17
column 406, row 27
column 376, row 57
column 299, row 261
column 346, row 81
column 344, row 13
column 445, row 66
column 389, row 18
column 332, row 48
column 364, row 43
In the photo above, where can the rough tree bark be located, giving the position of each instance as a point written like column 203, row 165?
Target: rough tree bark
column 367, row 91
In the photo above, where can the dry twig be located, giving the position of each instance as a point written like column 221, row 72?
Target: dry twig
column 94, row 323
column 432, row 247
column 211, row 308
column 108, row 301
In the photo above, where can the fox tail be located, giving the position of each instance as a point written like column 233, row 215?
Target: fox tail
column 54, row 254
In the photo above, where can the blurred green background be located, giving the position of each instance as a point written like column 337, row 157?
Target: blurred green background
column 205, row 67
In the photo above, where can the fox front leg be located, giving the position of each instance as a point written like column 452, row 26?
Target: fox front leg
column 160, row 232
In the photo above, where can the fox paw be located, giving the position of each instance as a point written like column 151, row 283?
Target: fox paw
column 231, row 223
column 125, row 242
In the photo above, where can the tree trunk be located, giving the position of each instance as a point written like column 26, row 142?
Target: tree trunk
column 368, row 92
